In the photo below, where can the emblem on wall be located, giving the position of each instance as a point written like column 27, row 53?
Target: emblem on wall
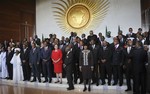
column 79, row 15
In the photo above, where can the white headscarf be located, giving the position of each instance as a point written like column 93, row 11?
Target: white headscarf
column 17, row 49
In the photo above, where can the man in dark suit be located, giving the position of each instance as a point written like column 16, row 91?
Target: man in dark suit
column 95, row 51
column 25, row 62
column 139, row 71
column 76, row 53
column 117, row 63
column 105, row 62
column 148, row 71
column 92, row 36
column 130, row 33
column 34, row 59
column 122, row 40
column 46, row 62
column 83, row 38
column 128, row 64
column 9, row 55
column 100, row 39
column 68, row 65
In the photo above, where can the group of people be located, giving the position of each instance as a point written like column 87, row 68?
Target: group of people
column 89, row 59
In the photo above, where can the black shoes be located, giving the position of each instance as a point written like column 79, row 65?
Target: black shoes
column 89, row 89
column 120, row 84
column 39, row 80
column 45, row 81
column 75, row 82
column 97, row 84
column 33, row 80
column 103, row 83
column 84, row 89
column 57, row 81
column 128, row 90
column 70, row 88
column 114, row 84
column 50, row 81
column 80, row 82
column 109, row 83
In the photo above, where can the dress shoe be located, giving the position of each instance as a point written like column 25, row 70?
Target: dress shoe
column 114, row 84
column 103, row 83
column 89, row 89
column 57, row 81
column 93, row 83
column 50, row 81
column 120, row 84
column 128, row 90
column 97, row 84
column 80, row 82
column 33, row 81
column 109, row 83
column 75, row 82
column 70, row 88
column 45, row 81
column 84, row 89
column 61, row 82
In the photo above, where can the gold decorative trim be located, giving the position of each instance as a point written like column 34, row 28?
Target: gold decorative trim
column 80, row 15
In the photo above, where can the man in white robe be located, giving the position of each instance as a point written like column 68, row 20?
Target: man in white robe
column 4, row 72
column 17, row 66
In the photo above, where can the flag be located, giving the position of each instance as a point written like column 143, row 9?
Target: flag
column 106, row 32
column 42, row 37
column 119, row 28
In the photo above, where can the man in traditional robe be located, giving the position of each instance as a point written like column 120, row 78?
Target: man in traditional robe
column 17, row 66
column 68, row 65
column 4, row 73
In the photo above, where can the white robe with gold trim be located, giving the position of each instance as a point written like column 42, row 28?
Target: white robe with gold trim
column 17, row 68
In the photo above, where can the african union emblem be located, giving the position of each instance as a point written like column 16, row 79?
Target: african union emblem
column 80, row 15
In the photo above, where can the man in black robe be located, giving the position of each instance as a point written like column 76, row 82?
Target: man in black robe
column 68, row 65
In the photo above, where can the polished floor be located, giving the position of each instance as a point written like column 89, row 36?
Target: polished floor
column 7, row 88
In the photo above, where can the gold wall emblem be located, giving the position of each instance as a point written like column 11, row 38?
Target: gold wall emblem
column 80, row 15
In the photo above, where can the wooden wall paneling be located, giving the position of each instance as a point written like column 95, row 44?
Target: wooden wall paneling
column 13, row 14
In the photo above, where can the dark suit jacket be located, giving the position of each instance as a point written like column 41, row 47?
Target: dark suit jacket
column 34, row 57
column 139, row 57
column 94, row 37
column 95, row 53
column 9, row 57
column 69, row 59
column 127, row 56
column 117, row 56
column 106, row 54
column 25, row 55
column 76, row 53
column 45, row 54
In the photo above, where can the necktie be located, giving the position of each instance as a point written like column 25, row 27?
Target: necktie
column 93, row 46
column 129, row 48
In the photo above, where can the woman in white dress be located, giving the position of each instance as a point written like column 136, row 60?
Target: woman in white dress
column 4, row 72
column 17, row 66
